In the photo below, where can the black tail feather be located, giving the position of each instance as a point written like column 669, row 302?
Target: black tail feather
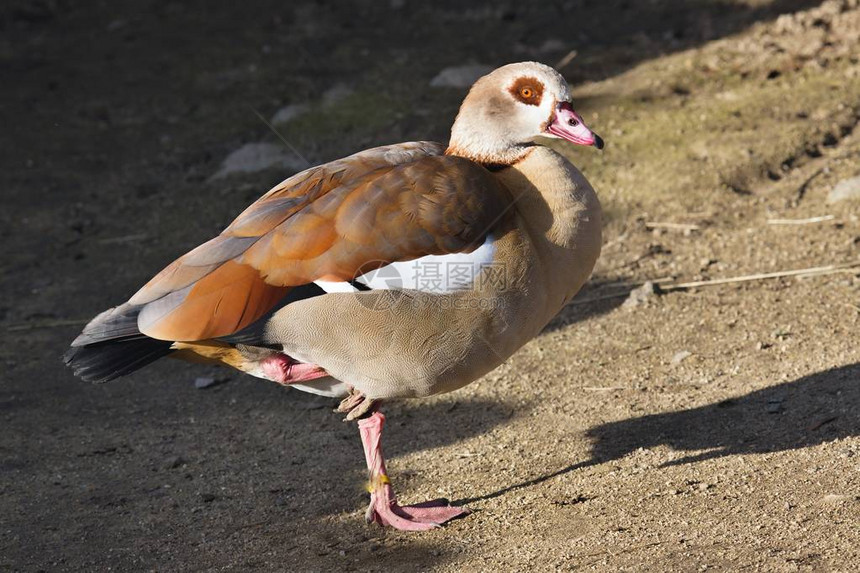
column 111, row 346
column 104, row 361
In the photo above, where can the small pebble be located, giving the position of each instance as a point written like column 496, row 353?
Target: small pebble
column 202, row 382
column 680, row 357
column 844, row 190
column 254, row 157
column 640, row 296
column 459, row 76
column 289, row 112
column 337, row 93
column 174, row 462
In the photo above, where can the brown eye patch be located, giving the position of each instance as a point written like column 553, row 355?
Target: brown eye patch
column 527, row 90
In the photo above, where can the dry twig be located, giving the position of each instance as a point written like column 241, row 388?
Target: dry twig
column 603, row 388
column 808, row 221
column 662, row 285
column 813, row 271
column 823, row 421
column 673, row 226
column 566, row 59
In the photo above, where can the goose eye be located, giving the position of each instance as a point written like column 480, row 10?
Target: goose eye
column 527, row 91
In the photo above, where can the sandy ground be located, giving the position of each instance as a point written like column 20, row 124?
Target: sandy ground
column 705, row 428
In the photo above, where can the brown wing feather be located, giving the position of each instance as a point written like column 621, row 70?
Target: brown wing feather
column 221, row 303
column 333, row 222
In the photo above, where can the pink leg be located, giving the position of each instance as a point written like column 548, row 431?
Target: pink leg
column 383, row 508
column 284, row 370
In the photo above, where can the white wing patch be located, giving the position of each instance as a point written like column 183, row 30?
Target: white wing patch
column 436, row 274
column 335, row 286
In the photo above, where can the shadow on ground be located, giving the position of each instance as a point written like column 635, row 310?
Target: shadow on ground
column 809, row 411
column 806, row 412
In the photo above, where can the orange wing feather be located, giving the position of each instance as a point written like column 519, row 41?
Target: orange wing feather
column 332, row 222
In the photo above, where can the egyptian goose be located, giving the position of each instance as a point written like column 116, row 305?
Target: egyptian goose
column 399, row 272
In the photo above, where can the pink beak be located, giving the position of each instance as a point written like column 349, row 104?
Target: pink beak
column 568, row 125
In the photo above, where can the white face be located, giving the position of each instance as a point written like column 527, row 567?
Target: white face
column 506, row 109
column 542, row 105
column 531, row 91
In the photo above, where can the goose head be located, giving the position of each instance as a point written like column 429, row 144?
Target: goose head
column 506, row 109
